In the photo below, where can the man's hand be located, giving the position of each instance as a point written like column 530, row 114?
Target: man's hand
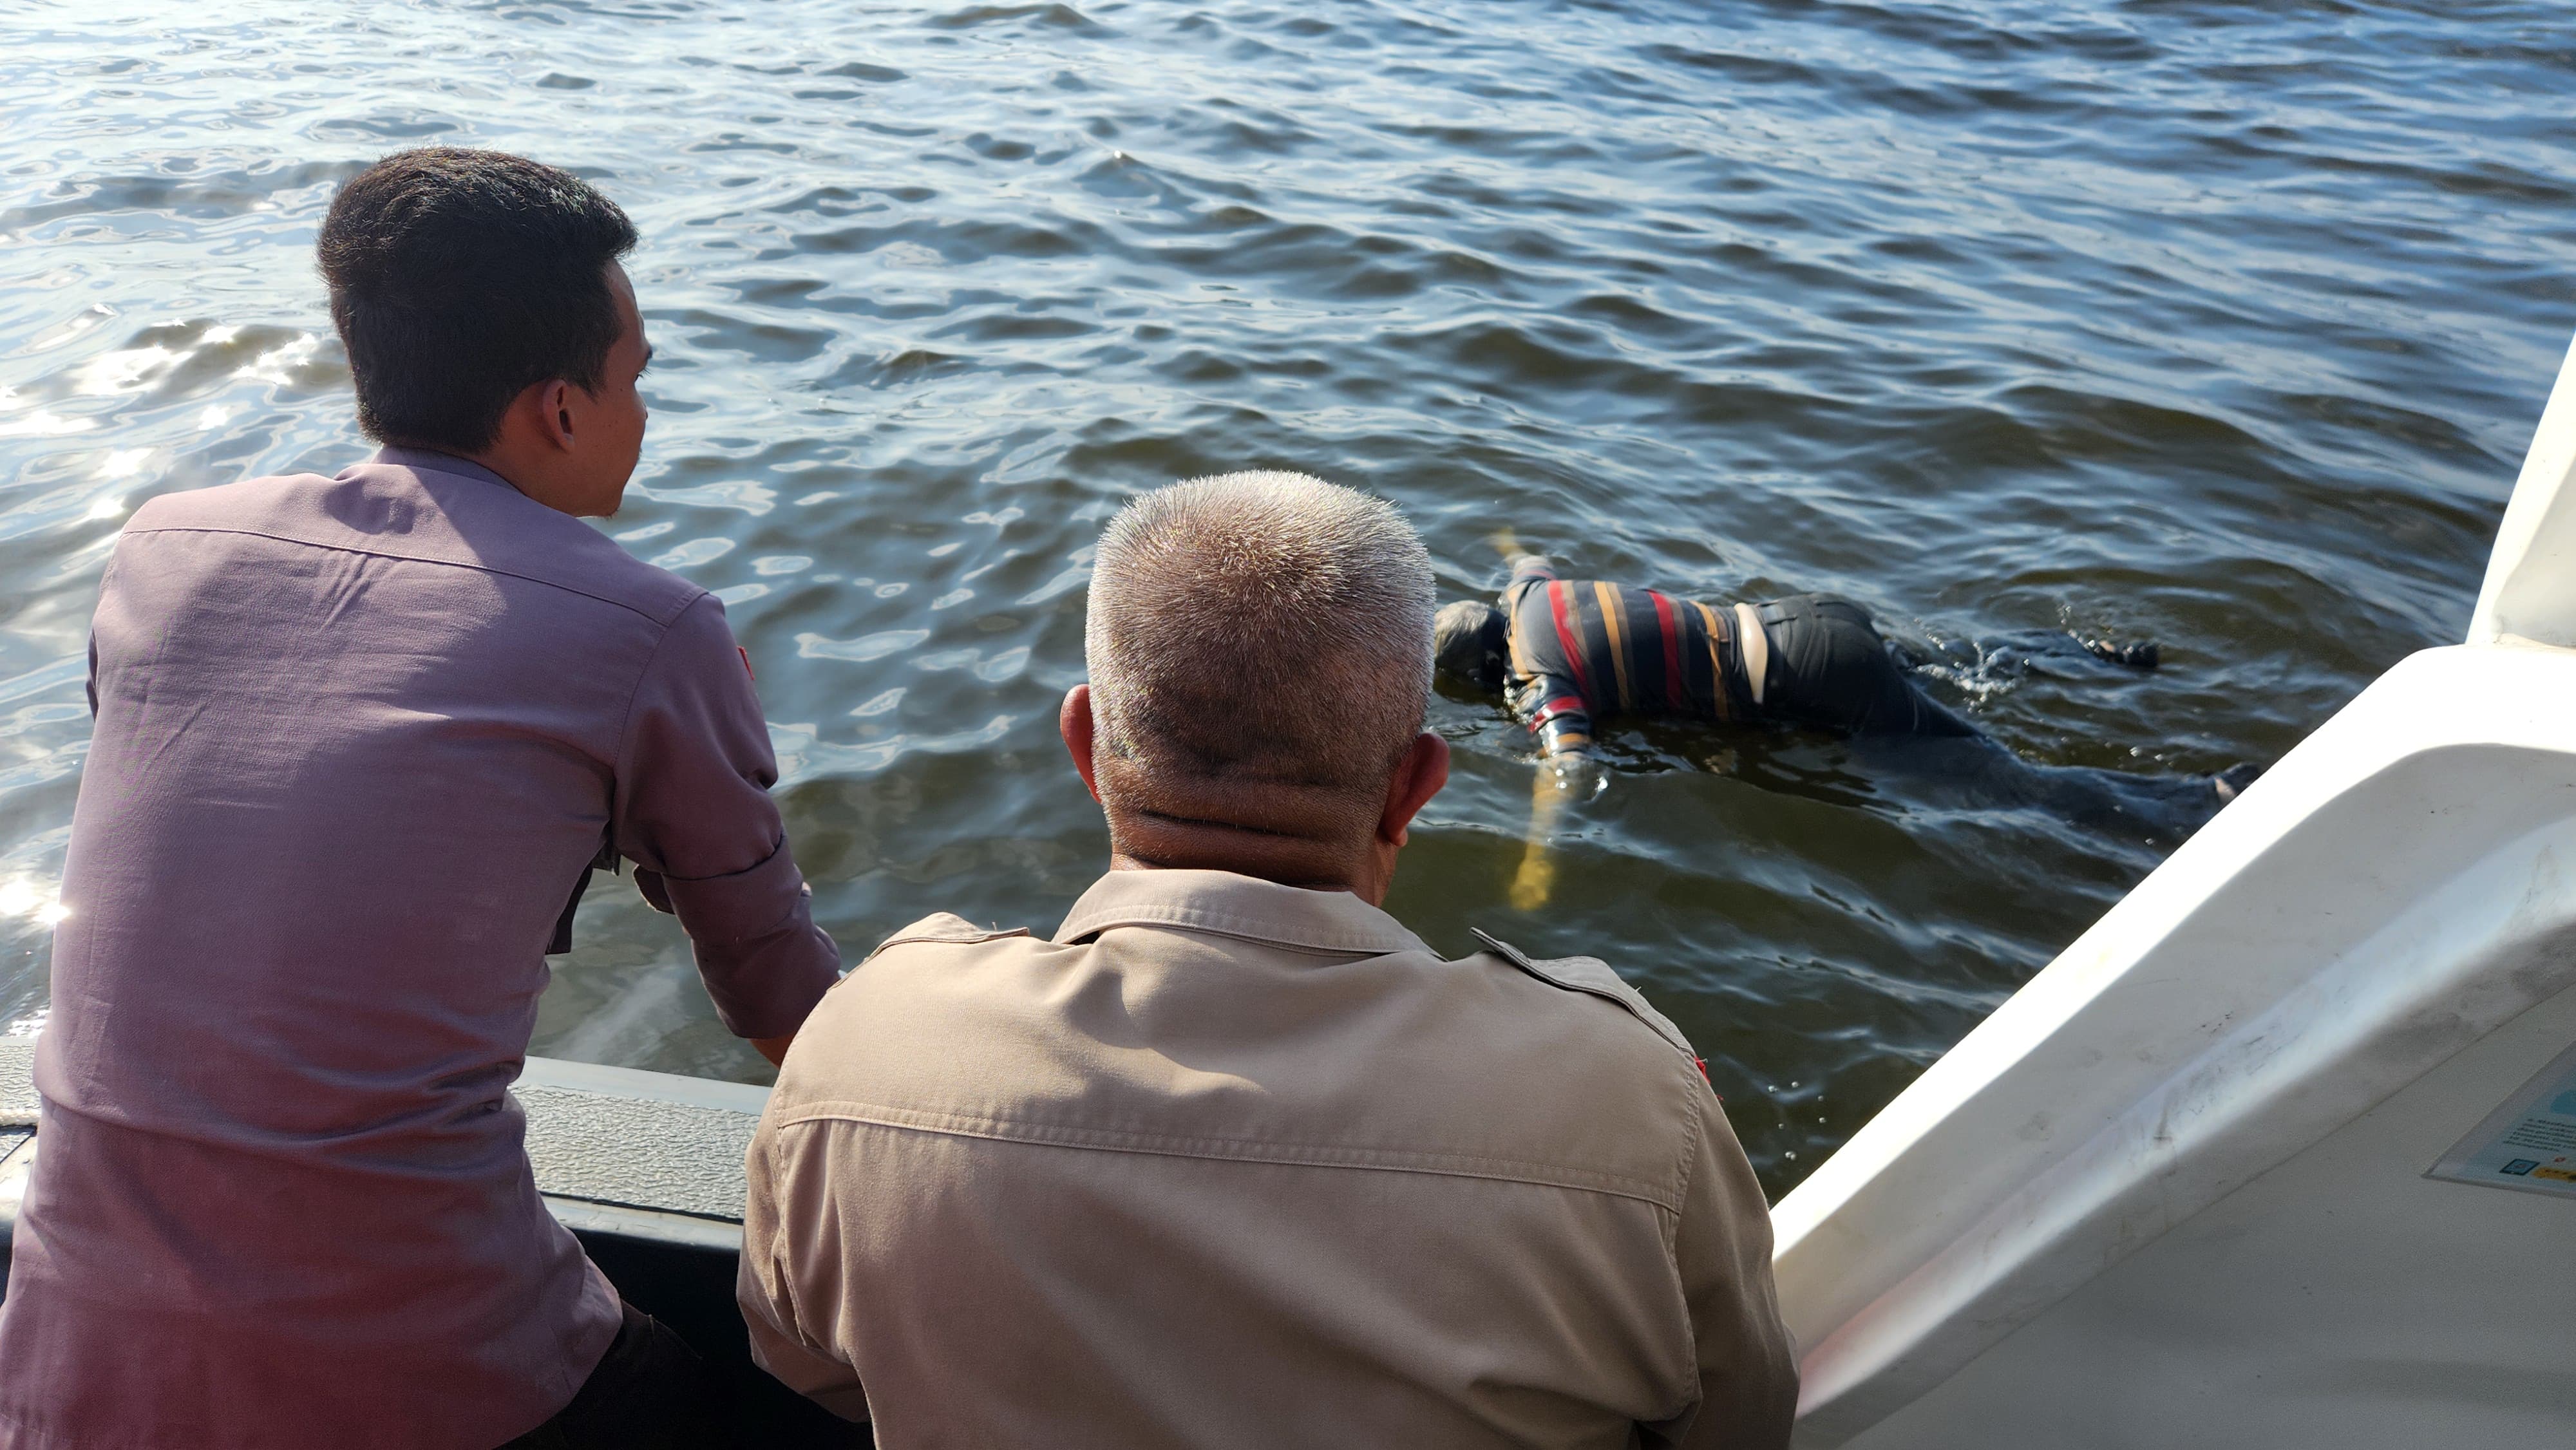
column 773, row 1048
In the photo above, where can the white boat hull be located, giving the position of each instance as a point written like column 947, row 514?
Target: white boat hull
column 2174, row 1191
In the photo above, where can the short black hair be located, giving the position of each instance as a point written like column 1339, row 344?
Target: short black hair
column 1469, row 640
column 458, row 279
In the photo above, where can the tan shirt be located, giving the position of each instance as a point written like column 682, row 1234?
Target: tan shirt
column 1228, row 1163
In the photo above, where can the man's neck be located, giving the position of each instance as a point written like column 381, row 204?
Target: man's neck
column 1330, row 880
column 1266, row 862
column 1288, row 861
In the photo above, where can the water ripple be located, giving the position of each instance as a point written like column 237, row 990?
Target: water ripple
column 2220, row 325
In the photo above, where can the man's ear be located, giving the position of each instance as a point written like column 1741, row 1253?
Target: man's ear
column 1418, row 777
column 541, row 417
column 1074, row 720
column 554, row 400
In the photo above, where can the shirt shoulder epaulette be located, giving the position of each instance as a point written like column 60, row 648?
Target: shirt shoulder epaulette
column 1592, row 976
column 946, row 928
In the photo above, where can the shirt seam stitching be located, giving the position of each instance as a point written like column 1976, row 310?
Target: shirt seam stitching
column 1224, row 923
column 1261, row 938
column 777, row 1242
column 1692, row 1137
column 1616, row 998
column 1309, row 1155
column 626, row 724
column 1694, row 1126
column 479, row 568
column 981, row 938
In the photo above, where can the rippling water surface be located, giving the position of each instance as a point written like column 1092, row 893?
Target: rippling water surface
column 2219, row 324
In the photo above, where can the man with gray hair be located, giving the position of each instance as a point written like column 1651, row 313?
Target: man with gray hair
column 1234, row 1159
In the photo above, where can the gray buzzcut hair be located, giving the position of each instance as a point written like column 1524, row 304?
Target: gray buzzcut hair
column 1264, row 625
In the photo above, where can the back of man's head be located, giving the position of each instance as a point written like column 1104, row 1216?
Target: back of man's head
column 460, row 278
column 1260, row 655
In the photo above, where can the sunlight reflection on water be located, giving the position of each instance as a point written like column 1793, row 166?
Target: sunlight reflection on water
column 2218, row 326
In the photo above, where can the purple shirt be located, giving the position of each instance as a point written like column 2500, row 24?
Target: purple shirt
column 356, row 740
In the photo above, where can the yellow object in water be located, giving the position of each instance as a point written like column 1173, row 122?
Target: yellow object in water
column 1551, row 791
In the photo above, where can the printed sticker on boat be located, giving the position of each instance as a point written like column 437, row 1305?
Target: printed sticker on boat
column 2529, row 1143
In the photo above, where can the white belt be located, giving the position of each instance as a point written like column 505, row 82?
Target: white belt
column 1753, row 647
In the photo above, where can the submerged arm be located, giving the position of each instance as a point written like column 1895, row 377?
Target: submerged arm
column 1555, row 787
column 1568, row 774
column 1544, row 693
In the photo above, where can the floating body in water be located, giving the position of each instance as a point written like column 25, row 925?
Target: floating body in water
column 1567, row 652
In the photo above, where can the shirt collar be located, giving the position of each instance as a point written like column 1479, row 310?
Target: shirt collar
column 431, row 461
column 1226, row 904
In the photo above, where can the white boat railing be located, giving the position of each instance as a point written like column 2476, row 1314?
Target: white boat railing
column 2401, row 886
column 2530, row 590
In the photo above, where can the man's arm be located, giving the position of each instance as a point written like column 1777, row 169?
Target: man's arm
column 1547, row 699
column 1748, row 1367
column 692, row 811
column 1539, row 682
column 1568, row 774
column 776, row 1299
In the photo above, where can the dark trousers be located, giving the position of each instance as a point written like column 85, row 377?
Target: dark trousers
column 650, row 1392
column 1830, row 669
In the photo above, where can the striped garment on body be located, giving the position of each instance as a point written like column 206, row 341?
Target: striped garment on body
column 1586, row 647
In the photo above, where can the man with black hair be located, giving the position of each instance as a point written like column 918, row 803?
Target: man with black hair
column 358, row 740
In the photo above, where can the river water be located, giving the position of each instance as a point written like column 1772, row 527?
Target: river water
column 2216, row 324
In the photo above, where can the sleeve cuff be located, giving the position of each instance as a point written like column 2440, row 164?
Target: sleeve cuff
column 764, row 961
